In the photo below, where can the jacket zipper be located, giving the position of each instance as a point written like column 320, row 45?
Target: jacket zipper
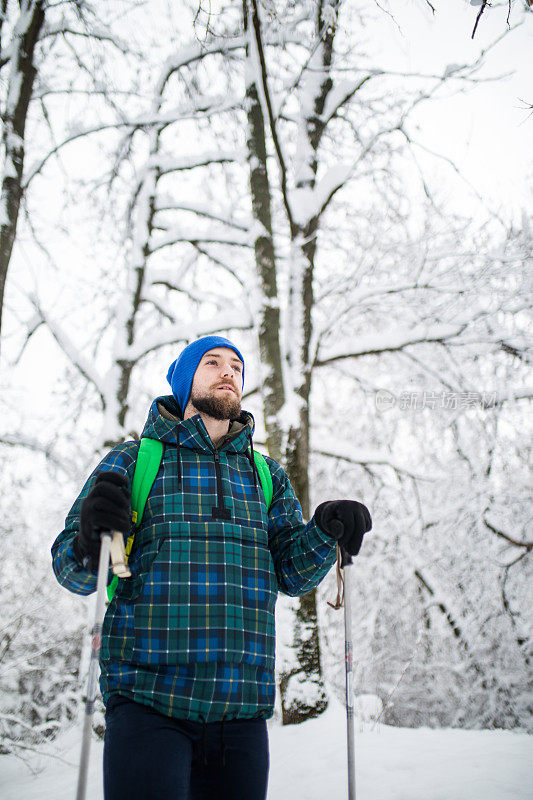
column 220, row 511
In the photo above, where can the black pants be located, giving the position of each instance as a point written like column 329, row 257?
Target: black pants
column 148, row 756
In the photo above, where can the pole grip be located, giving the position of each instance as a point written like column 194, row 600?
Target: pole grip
column 118, row 556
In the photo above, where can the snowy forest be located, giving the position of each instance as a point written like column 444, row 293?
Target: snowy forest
column 257, row 169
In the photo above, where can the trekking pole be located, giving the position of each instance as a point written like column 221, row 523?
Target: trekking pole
column 347, row 567
column 101, row 586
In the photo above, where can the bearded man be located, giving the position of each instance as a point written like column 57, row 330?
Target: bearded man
column 187, row 656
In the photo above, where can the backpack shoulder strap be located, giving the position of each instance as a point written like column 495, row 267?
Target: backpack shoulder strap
column 265, row 476
column 146, row 468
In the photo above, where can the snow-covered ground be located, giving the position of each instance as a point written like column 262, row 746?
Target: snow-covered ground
column 308, row 761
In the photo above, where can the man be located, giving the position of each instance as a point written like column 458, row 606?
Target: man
column 187, row 658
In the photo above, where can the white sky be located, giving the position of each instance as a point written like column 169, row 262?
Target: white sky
column 487, row 131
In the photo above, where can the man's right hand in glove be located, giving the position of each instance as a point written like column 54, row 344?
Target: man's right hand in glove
column 106, row 507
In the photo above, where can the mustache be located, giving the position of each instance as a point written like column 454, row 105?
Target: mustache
column 226, row 383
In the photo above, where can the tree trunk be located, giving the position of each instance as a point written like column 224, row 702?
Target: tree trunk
column 268, row 322
column 295, row 704
column 142, row 220
column 20, row 88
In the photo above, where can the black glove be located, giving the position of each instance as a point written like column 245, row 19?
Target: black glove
column 347, row 521
column 106, row 507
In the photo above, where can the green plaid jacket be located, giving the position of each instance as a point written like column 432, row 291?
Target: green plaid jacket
column 191, row 633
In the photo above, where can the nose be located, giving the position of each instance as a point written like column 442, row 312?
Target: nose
column 227, row 369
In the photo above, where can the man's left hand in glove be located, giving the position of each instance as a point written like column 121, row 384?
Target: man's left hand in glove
column 347, row 521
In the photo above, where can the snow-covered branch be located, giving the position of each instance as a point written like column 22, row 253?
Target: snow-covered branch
column 36, row 168
column 452, row 616
column 196, row 296
column 33, row 444
column 73, row 354
column 175, row 236
column 494, row 399
column 188, row 55
column 506, row 536
column 310, row 203
column 518, row 352
column 390, row 341
column 341, row 94
column 101, row 34
column 451, row 163
column 19, row 87
column 43, row 726
column 220, row 262
column 200, row 209
column 171, row 277
column 143, row 121
column 257, row 49
column 362, row 294
column 231, row 319
column 342, row 452
column 168, row 164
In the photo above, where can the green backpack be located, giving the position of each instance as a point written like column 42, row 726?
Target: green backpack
column 147, row 466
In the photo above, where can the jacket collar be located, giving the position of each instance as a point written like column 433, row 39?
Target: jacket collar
column 164, row 421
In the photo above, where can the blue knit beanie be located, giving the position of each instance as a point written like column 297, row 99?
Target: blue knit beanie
column 181, row 372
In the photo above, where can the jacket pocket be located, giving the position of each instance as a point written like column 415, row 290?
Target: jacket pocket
column 206, row 599
column 118, row 633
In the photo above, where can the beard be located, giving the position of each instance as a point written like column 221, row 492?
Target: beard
column 219, row 405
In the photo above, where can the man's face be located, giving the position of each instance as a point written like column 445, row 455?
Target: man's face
column 217, row 385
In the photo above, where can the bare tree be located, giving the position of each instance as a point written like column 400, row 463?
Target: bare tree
column 306, row 255
column 322, row 102
column 37, row 40
column 18, row 59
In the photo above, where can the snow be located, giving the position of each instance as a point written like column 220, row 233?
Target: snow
column 10, row 170
column 308, row 203
column 4, row 216
column 166, row 202
column 337, row 96
column 111, row 430
column 176, row 234
column 188, row 54
column 232, row 318
column 75, row 356
column 391, row 764
column 334, row 178
column 339, row 448
column 144, row 200
column 392, row 340
column 329, row 15
column 15, row 87
column 302, row 200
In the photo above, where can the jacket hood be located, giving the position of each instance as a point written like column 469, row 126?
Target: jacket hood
column 164, row 422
